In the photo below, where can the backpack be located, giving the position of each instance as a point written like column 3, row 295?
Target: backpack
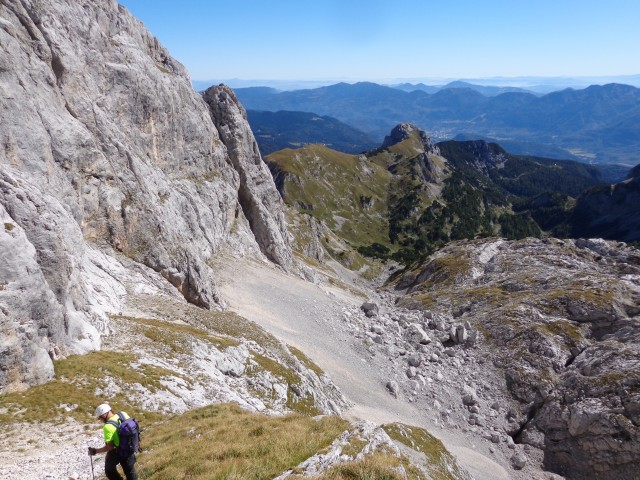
column 129, row 435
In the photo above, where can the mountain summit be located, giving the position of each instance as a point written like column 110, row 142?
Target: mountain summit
column 403, row 131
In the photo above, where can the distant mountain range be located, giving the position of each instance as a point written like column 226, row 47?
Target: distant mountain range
column 488, row 90
column 599, row 124
column 278, row 130
column 538, row 85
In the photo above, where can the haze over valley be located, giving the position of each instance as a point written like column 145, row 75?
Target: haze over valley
column 598, row 124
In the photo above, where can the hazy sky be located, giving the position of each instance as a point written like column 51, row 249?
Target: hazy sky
column 383, row 39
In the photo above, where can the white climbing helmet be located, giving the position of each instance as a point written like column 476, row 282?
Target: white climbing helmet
column 102, row 409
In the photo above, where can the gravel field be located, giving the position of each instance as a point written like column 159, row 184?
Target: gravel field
column 323, row 320
column 311, row 317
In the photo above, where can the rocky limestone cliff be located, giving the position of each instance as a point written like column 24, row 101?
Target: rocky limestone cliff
column 109, row 158
column 403, row 131
column 559, row 320
column 260, row 201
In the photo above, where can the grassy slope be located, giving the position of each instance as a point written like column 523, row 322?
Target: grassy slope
column 223, row 441
column 332, row 186
column 213, row 442
column 362, row 199
column 417, row 201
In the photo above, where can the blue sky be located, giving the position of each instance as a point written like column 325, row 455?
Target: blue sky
column 380, row 40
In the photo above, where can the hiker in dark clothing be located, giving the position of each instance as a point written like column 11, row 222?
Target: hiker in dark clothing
column 111, row 442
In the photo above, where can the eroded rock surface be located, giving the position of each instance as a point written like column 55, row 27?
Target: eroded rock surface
column 107, row 150
column 558, row 320
column 260, row 201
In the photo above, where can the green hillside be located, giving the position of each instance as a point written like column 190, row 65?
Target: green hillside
column 410, row 197
column 346, row 192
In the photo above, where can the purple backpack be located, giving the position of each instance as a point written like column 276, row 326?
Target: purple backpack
column 129, row 435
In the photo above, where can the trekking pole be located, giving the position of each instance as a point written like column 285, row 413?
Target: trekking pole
column 93, row 475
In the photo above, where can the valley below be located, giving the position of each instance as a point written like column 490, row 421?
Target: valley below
column 516, row 386
column 484, row 364
column 326, row 322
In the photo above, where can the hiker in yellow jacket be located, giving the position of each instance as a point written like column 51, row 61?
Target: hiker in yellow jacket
column 111, row 442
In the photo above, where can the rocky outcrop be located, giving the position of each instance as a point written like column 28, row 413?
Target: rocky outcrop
column 24, row 348
column 395, row 439
column 559, row 320
column 403, row 131
column 260, row 201
column 109, row 158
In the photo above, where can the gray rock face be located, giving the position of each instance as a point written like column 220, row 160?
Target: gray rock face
column 26, row 340
column 107, row 150
column 560, row 321
column 261, row 203
column 370, row 309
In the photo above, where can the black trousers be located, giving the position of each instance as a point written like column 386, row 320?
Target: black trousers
column 128, row 465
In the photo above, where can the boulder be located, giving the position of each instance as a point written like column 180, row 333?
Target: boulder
column 414, row 360
column 370, row 309
column 393, row 388
column 416, row 335
column 230, row 366
column 518, row 461
column 469, row 399
column 532, row 436
column 379, row 329
column 458, row 334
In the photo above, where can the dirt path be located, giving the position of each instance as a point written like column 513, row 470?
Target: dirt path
column 310, row 317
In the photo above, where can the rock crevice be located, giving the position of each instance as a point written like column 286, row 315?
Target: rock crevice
column 260, row 201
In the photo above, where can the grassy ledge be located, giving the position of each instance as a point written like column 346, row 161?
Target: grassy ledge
column 224, row 441
column 440, row 463
column 78, row 381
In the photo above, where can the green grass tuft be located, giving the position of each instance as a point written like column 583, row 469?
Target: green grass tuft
column 224, row 442
column 441, row 463
column 76, row 380
column 379, row 466
column 301, row 404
